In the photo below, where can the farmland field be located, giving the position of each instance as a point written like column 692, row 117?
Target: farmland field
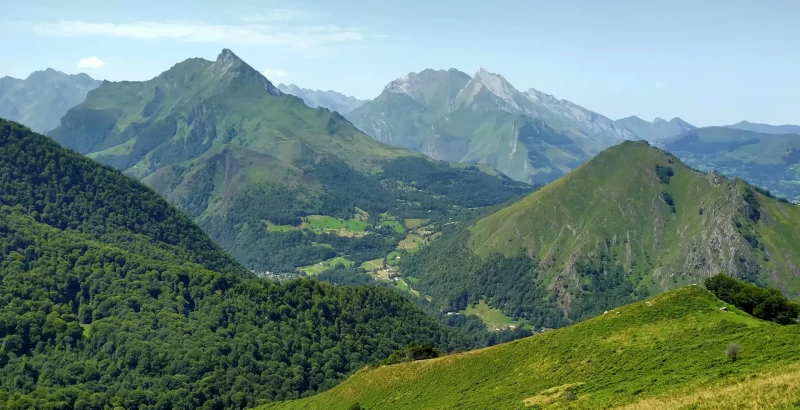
column 493, row 318
column 323, row 222
column 313, row 270
column 372, row 265
column 415, row 223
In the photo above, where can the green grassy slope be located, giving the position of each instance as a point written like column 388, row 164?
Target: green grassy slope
column 768, row 160
column 632, row 222
column 616, row 202
column 663, row 353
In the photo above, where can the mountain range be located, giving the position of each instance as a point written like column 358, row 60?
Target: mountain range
column 331, row 100
column 770, row 160
column 40, row 100
column 222, row 143
column 766, row 128
column 657, row 130
column 446, row 114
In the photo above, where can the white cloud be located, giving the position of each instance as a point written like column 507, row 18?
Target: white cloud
column 273, row 15
column 273, row 73
column 229, row 35
column 660, row 84
column 91, row 62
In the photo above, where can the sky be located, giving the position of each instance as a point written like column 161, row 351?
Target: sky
column 711, row 62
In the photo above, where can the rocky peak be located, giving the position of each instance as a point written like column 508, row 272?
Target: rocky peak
column 401, row 85
column 228, row 67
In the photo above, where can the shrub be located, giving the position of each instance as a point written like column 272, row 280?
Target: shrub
column 732, row 351
column 664, row 173
column 413, row 352
column 668, row 199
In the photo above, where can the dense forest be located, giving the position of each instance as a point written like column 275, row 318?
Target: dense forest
column 68, row 191
column 457, row 278
column 115, row 299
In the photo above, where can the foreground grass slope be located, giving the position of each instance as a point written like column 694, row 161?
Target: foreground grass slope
column 663, row 353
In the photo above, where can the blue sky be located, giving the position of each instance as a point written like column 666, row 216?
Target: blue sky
column 709, row 62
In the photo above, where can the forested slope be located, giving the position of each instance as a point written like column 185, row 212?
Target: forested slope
column 112, row 298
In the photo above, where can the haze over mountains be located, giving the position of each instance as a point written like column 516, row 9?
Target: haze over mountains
column 535, row 137
column 449, row 115
column 766, row 128
column 532, row 137
column 657, row 130
column 327, row 99
column 40, row 100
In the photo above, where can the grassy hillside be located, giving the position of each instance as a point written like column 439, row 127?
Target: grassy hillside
column 664, row 353
column 768, row 160
column 220, row 142
column 617, row 202
column 633, row 221
column 112, row 298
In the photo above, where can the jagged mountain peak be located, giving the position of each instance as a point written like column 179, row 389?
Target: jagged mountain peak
column 227, row 55
column 228, row 66
column 400, row 85
column 496, row 83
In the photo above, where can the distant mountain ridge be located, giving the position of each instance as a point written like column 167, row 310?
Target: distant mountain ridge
column 654, row 131
column 766, row 128
column 40, row 100
column 331, row 100
column 447, row 114
column 768, row 160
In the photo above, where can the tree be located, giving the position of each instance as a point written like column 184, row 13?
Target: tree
column 732, row 351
